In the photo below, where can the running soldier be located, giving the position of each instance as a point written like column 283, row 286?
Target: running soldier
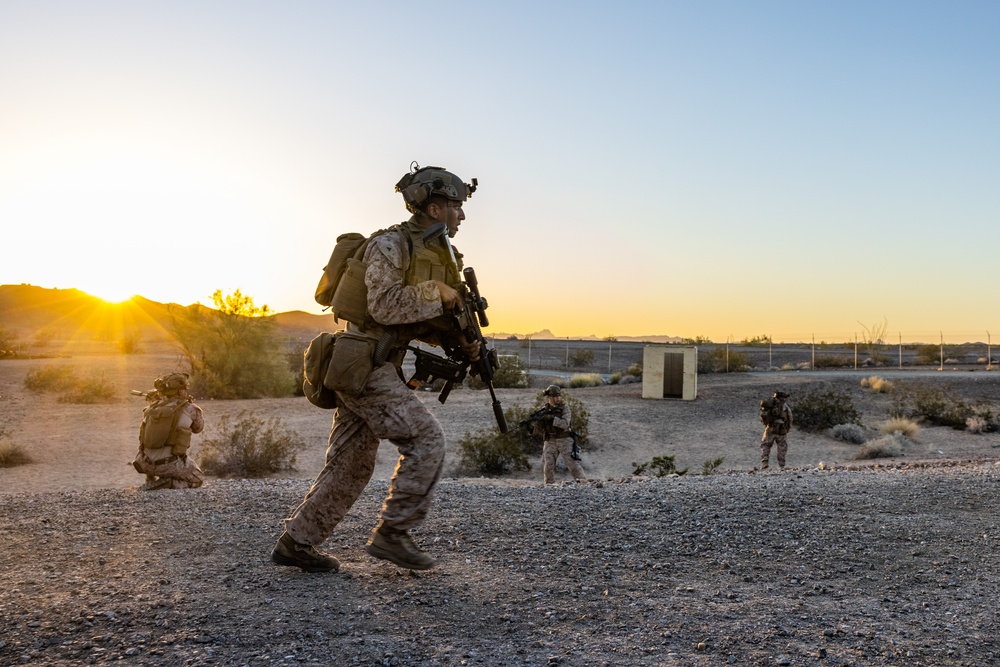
column 412, row 291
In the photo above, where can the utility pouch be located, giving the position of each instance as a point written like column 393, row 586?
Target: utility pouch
column 350, row 364
column 350, row 300
column 181, row 441
column 315, row 365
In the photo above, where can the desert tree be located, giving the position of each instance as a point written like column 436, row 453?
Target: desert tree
column 874, row 338
column 234, row 349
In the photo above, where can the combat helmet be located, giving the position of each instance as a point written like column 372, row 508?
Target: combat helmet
column 552, row 390
column 418, row 184
column 780, row 394
column 171, row 383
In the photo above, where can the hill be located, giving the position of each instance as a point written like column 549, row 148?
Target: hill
column 28, row 311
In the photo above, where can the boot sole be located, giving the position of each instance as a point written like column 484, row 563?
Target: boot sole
column 278, row 559
column 378, row 552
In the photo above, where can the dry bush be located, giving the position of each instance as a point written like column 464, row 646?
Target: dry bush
column 820, row 408
column 852, row 433
column 877, row 385
column 51, row 378
column 901, row 425
column 94, row 389
column 886, row 447
column 12, row 454
column 977, row 424
column 586, row 380
column 250, row 447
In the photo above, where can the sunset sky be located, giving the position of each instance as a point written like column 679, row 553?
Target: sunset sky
column 718, row 169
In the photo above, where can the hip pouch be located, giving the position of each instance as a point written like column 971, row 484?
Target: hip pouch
column 350, row 364
column 181, row 441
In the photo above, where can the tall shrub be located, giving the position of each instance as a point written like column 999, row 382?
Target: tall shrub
column 234, row 350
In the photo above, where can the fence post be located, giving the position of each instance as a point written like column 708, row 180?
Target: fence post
column 813, row 364
column 855, row 350
column 900, row 349
column 941, row 365
column 989, row 354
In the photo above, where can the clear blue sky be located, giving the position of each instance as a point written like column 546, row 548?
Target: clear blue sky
column 711, row 168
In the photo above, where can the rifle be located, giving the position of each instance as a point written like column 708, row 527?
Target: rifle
column 150, row 395
column 430, row 367
column 469, row 322
column 542, row 414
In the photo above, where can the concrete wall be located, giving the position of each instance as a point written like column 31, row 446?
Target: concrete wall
column 670, row 371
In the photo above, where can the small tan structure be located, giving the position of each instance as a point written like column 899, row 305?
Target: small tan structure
column 670, row 371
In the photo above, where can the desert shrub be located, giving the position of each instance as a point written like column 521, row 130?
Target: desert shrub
column 586, row 380
column 580, row 358
column 511, row 373
column 888, row 446
column 900, row 425
column 877, row 385
column 831, row 361
column 976, row 424
column 635, row 369
column 938, row 405
column 12, row 454
column 715, row 361
column 852, row 433
column 822, row 408
column 928, row 354
column 94, row 389
column 615, row 378
column 488, row 452
column 709, row 466
column 659, row 466
column 250, row 446
column 129, row 342
column 51, row 378
column 234, row 351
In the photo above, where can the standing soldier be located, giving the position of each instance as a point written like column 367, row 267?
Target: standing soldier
column 777, row 419
column 555, row 430
column 165, row 436
column 411, row 290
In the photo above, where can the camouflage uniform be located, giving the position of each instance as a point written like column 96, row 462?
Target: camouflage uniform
column 776, row 434
column 169, row 467
column 384, row 409
column 559, row 442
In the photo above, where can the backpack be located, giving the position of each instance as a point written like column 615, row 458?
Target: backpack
column 315, row 362
column 342, row 285
column 158, row 423
column 770, row 409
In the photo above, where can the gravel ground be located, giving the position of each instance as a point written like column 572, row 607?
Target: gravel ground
column 877, row 566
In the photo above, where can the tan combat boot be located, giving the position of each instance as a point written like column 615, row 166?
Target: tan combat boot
column 398, row 547
column 289, row 552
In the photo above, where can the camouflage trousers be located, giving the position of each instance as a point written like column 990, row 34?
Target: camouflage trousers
column 550, row 454
column 178, row 473
column 780, row 441
column 385, row 409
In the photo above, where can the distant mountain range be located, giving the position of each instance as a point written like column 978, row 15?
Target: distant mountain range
column 27, row 310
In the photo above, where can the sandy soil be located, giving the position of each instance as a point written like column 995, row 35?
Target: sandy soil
column 89, row 446
column 890, row 562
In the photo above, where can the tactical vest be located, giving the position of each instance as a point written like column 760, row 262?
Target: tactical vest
column 427, row 262
column 554, row 433
column 165, row 427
